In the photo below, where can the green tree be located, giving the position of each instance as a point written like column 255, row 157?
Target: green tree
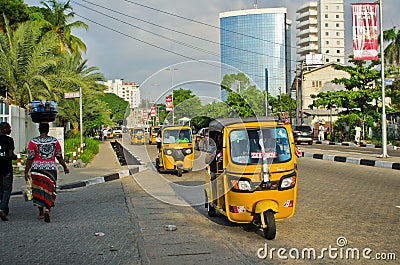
column 59, row 16
column 361, row 89
column 71, row 74
column 180, row 95
column 116, row 105
column 15, row 11
column 26, row 59
column 392, row 50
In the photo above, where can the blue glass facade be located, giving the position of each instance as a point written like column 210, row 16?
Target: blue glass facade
column 256, row 42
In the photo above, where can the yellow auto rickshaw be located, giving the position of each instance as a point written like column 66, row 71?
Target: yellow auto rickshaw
column 176, row 150
column 153, row 134
column 251, row 176
column 137, row 136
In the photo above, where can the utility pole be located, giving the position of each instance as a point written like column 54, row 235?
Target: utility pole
column 384, row 135
column 301, row 91
column 297, row 96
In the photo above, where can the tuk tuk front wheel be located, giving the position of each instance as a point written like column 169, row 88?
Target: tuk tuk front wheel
column 158, row 164
column 270, row 230
column 210, row 210
column 179, row 172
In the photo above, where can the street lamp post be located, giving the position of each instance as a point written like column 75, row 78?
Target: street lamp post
column 172, row 69
column 384, row 136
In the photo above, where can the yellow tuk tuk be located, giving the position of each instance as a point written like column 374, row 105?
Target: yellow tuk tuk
column 153, row 134
column 251, row 175
column 176, row 150
column 137, row 136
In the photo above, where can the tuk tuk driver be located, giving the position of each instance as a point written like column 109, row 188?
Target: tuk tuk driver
column 182, row 138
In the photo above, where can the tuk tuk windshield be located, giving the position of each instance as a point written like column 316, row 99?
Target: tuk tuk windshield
column 154, row 130
column 246, row 146
column 177, row 136
column 138, row 131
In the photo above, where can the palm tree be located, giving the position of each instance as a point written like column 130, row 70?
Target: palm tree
column 59, row 14
column 71, row 74
column 392, row 51
column 26, row 59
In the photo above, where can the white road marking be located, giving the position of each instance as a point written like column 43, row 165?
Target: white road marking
column 398, row 207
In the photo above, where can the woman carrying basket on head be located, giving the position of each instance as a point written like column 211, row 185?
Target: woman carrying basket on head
column 43, row 151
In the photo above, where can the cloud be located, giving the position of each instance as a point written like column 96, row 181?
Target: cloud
column 126, row 55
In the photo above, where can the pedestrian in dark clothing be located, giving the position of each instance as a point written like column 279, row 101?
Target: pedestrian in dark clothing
column 6, row 171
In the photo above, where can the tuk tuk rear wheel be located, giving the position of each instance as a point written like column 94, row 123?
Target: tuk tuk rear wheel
column 270, row 230
column 211, row 210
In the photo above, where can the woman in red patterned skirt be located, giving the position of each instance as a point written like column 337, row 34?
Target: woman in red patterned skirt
column 42, row 154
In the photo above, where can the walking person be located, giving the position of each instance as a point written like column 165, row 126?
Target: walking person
column 43, row 151
column 6, row 170
column 321, row 132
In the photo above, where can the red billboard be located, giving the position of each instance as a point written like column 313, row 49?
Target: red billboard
column 365, row 32
column 168, row 103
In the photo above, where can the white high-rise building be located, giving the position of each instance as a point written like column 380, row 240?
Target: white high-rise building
column 321, row 31
column 129, row 91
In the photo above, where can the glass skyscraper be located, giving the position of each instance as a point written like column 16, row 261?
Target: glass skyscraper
column 257, row 43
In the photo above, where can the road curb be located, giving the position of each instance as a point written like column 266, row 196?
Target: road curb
column 389, row 147
column 353, row 160
column 95, row 180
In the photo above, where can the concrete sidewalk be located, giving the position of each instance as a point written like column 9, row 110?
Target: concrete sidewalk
column 104, row 167
column 371, row 158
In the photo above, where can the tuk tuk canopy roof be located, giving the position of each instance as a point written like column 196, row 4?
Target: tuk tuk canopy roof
column 219, row 124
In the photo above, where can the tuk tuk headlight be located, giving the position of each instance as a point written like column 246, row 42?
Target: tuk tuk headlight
column 168, row 151
column 244, row 185
column 287, row 182
column 240, row 184
column 188, row 151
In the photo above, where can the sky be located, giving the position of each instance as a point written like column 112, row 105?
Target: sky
column 138, row 40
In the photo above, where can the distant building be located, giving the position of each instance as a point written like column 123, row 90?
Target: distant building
column 321, row 31
column 317, row 80
column 257, row 43
column 129, row 91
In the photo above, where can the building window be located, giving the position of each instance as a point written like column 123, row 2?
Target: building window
column 327, row 60
column 327, row 42
column 327, row 51
column 337, row 16
column 338, row 60
column 326, row 16
column 338, row 42
column 337, row 51
column 337, row 7
column 326, row 25
column 326, row 33
column 316, row 83
column 337, row 25
column 326, row 7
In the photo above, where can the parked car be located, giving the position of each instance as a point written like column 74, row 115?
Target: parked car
column 303, row 134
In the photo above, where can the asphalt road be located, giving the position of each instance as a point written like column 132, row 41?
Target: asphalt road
column 337, row 204
column 342, row 209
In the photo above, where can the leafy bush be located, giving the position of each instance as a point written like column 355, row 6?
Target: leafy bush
column 72, row 144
